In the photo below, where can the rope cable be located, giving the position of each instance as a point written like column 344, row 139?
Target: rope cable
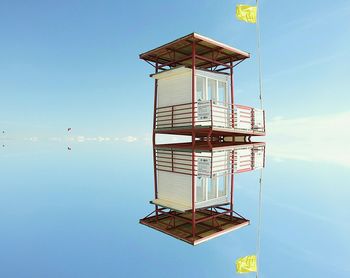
column 259, row 54
column 259, row 224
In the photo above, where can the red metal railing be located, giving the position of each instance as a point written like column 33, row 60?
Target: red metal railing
column 210, row 114
column 209, row 163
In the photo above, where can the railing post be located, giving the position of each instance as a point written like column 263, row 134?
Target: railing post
column 154, row 140
column 232, row 95
column 172, row 117
column 252, row 117
column 211, row 164
column 155, row 106
column 264, row 120
column 193, row 196
column 193, row 80
column 232, row 182
column 211, row 113
column 172, row 160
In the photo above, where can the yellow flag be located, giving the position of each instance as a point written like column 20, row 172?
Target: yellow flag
column 246, row 264
column 246, row 13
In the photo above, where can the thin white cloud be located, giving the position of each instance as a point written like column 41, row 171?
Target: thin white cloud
column 56, row 139
column 81, row 139
column 129, row 139
column 318, row 18
column 319, row 61
column 317, row 138
column 32, row 139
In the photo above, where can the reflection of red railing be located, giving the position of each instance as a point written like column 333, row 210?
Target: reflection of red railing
column 209, row 163
column 210, row 114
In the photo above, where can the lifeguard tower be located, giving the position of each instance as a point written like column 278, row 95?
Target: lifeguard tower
column 194, row 90
column 194, row 185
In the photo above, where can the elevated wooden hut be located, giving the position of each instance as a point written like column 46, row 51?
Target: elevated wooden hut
column 194, row 90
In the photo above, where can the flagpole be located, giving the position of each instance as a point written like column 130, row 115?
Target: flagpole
column 261, row 107
column 259, row 225
column 259, row 53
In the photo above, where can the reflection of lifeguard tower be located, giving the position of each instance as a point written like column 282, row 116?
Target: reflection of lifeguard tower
column 194, row 92
column 194, row 187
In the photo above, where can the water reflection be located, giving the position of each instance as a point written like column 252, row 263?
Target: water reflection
column 194, row 188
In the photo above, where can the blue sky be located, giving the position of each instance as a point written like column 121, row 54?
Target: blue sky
column 75, row 63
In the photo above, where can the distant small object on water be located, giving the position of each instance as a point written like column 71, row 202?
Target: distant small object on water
column 69, row 128
column 3, row 146
column 69, row 149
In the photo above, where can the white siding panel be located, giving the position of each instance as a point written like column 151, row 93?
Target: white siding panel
column 221, row 162
column 258, row 119
column 175, row 187
column 175, row 90
column 243, row 118
column 221, row 116
column 243, row 159
column 258, row 157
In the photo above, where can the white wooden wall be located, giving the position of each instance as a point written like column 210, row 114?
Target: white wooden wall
column 175, row 187
column 175, row 89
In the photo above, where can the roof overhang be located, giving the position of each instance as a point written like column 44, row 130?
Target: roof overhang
column 209, row 53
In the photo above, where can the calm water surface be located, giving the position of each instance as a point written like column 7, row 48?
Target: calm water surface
column 75, row 214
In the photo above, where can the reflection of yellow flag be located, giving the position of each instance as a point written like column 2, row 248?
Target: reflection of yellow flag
column 246, row 13
column 246, row 264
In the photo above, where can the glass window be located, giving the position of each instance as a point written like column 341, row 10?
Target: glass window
column 222, row 93
column 221, row 181
column 200, row 88
column 212, row 89
column 200, row 189
column 212, row 188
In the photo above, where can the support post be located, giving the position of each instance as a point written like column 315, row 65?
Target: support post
column 232, row 96
column 193, row 138
column 154, row 140
column 232, row 182
column 193, row 192
column 193, row 80
column 211, row 113
column 155, row 106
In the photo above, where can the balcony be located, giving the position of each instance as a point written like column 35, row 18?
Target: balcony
column 210, row 117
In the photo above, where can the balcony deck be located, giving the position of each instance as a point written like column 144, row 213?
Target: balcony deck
column 206, row 146
column 203, row 131
column 210, row 119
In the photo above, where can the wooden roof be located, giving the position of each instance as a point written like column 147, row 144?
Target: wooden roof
column 180, row 52
column 181, row 229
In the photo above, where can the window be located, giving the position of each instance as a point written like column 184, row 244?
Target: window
column 212, row 89
column 221, row 182
column 200, row 189
column 212, row 188
column 200, row 88
column 222, row 93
